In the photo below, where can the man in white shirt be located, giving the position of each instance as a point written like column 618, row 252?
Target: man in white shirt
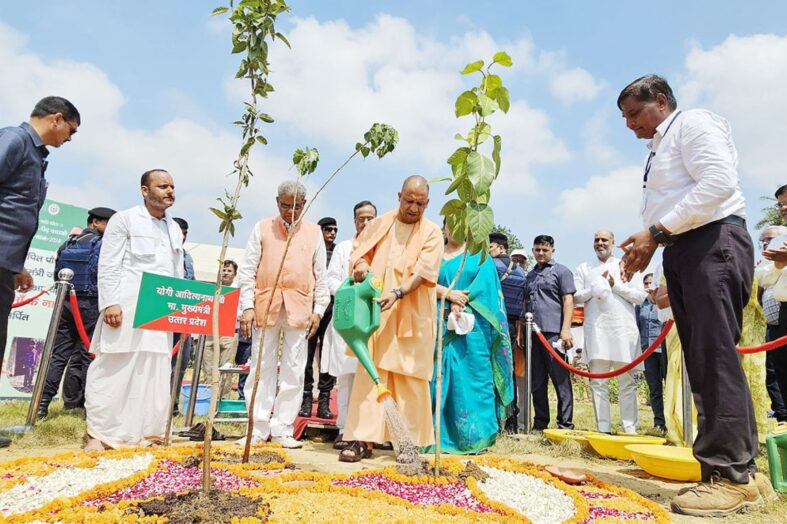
column 334, row 358
column 127, row 390
column 296, row 307
column 692, row 204
column 611, row 334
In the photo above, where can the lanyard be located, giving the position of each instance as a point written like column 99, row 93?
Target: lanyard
column 653, row 153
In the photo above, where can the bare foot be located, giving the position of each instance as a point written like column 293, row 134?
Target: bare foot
column 93, row 444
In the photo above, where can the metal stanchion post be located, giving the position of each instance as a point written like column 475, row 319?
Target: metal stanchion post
column 62, row 287
column 189, row 422
column 688, row 412
column 528, row 372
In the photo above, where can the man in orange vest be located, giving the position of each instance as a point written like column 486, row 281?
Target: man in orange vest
column 296, row 307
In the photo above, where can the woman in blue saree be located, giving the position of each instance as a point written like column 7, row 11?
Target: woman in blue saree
column 477, row 391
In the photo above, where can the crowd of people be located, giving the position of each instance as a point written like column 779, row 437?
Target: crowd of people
column 692, row 207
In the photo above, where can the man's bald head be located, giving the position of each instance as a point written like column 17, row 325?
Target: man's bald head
column 415, row 182
column 413, row 199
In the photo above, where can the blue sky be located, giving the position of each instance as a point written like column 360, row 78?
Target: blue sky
column 153, row 81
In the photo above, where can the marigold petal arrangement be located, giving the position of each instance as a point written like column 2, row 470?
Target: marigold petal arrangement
column 140, row 485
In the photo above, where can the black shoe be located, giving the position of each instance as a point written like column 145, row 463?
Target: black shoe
column 42, row 413
column 323, row 408
column 306, row 408
column 5, row 442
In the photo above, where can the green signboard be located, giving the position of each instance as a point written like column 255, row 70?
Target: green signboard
column 184, row 306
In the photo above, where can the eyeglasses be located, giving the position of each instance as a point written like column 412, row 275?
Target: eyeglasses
column 71, row 129
column 364, row 219
column 779, row 205
column 288, row 207
column 331, row 229
column 764, row 241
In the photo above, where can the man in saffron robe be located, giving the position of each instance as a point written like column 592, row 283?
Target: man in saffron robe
column 403, row 249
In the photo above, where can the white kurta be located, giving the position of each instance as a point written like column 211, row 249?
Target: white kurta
column 334, row 359
column 610, row 323
column 611, row 336
column 127, row 389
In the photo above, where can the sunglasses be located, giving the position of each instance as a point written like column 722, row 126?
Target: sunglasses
column 332, row 229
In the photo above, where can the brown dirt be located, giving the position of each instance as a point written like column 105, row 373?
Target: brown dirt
column 263, row 457
column 196, row 507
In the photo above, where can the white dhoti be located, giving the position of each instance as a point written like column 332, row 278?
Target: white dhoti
column 336, row 361
column 627, row 396
column 127, row 397
column 279, row 394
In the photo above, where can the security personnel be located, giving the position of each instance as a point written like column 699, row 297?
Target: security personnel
column 512, row 281
column 80, row 254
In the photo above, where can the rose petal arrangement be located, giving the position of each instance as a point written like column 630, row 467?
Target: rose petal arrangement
column 110, row 487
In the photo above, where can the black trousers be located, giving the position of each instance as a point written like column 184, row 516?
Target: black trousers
column 709, row 273
column 326, row 381
column 512, row 422
column 69, row 351
column 242, row 356
column 780, row 355
column 6, row 299
column 771, row 378
column 544, row 367
column 655, row 375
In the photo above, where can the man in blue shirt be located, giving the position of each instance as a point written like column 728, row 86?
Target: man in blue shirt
column 188, row 274
column 23, row 153
column 655, row 365
column 512, row 281
column 549, row 295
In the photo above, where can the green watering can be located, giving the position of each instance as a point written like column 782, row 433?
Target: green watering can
column 356, row 315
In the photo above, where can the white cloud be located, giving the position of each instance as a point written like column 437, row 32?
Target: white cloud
column 199, row 158
column 574, row 85
column 594, row 134
column 340, row 79
column 742, row 79
column 611, row 201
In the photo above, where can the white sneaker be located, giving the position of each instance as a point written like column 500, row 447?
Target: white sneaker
column 255, row 439
column 287, row 442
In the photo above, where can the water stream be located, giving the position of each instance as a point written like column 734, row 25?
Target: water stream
column 407, row 452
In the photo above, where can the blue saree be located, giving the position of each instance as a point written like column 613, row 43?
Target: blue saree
column 478, row 387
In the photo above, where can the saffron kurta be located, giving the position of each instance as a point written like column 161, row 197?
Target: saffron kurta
column 403, row 347
column 127, row 389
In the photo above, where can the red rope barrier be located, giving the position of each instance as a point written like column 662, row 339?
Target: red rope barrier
column 607, row 374
column 83, row 333
column 72, row 297
column 26, row 301
column 768, row 346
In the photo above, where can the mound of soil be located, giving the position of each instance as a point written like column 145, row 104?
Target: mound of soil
column 196, row 507
column 261, row 457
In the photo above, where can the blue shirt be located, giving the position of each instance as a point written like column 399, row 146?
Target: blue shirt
column 22, row 192
column 513, row 286
column 648, row 324
column 544, row 290
column 188, row 266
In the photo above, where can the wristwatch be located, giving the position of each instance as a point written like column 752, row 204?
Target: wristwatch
column 398, row 292
column 659, row 236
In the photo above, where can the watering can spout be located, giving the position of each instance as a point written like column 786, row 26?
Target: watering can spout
column 356, row 315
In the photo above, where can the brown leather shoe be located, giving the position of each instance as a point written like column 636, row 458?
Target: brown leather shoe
column 718, row 498
column 764, row 486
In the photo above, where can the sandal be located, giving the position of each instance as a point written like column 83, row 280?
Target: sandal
column 340, row 443
column 195, row 430
column 215, row 435
column 357, row 451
